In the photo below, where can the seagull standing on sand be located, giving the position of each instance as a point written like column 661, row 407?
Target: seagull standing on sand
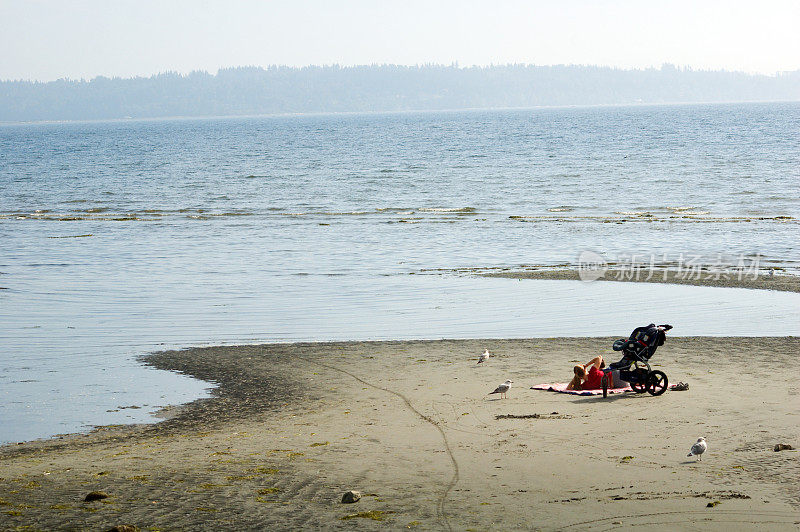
column 484, row 357
column 502, row 389
column 698, row 448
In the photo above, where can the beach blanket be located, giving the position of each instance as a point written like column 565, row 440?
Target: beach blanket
column 561, row 387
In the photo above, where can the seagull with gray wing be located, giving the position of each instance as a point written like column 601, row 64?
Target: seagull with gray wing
column 502, row 389
column 484, row 357
column 698, row 448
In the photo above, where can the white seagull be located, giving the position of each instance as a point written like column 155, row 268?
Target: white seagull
column 698, row 448
column 484, row 357
column 502, row 389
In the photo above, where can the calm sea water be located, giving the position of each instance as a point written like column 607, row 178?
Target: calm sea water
column 120, row 238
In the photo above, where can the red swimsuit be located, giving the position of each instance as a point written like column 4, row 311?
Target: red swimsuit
column 593, row 382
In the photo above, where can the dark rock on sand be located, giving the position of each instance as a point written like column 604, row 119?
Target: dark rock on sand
column 782, row 447
column 123, row 528
column 95, row 496
column 351, row 497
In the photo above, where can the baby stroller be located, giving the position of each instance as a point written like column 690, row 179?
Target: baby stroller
column 634, row 366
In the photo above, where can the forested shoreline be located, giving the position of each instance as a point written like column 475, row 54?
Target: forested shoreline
column 277, row 89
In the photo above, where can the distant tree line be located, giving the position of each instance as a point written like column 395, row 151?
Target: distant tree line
column 277, row 89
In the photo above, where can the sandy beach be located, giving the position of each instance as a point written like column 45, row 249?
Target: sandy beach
column 291, row 427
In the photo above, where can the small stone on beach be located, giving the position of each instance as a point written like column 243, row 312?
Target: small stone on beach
column 123, row 528
column 351, row 497
column 95, row 496
column 782, row 447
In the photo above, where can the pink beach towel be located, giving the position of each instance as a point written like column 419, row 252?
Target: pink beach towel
column 561, row 387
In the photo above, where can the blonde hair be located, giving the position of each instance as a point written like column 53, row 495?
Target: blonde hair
column 575, row 383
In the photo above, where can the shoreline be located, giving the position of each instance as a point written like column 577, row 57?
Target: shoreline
column 499, row 326
column 291, row 427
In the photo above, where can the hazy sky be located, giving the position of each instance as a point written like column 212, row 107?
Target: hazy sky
column 46, row 40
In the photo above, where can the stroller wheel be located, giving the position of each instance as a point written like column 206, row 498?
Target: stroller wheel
column 604, row 383
column 657, row 382
column 639, row 380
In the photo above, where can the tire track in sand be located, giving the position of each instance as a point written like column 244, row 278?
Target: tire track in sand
column 440, row 513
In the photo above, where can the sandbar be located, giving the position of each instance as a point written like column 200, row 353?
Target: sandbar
column 781, row 283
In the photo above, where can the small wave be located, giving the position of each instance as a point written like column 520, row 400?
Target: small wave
column 119, row 217
column 398, row 210
column 783, row 198
column 211, row 215
column 464, row 210
column 681, row 209
column 562, row 208
column 104, row 214
column 640, row 214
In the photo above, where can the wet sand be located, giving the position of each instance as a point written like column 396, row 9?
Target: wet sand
column 291, row 427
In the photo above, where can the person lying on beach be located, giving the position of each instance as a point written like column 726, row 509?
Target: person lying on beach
column 588, row 379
